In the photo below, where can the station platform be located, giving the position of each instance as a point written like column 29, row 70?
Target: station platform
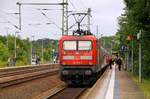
column 125, row 87
column 115, row 84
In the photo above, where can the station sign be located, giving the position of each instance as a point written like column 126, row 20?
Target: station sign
column 139, row 35
column 123, row 48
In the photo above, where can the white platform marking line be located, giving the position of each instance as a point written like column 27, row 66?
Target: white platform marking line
column 101, row 93
column 110, row 90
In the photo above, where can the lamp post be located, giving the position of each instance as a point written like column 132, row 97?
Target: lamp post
column 129, row 38
column 97, row 30
column 101, row 40
column 42, row 47
column 132, row 58
column 111, row 48
column 15, row 48
column 112, row 41
column 7, row 35
column 127, row 56
column 42, row 52
column 32, row 38
column 15, row 44
column 53, row 50
column 140, row 59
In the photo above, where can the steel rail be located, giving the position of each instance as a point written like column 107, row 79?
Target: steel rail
column 17, row 76
column 15, row 71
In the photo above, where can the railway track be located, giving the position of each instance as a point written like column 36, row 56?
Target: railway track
column 13, row 76
column 69, row 93
column 62, row 92
column 10, row 71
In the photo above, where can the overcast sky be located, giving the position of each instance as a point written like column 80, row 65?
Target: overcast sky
column 104, row 14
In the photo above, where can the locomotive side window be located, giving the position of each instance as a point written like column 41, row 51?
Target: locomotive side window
column 84, row 45
column 69, row 45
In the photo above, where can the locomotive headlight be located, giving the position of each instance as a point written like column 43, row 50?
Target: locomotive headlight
column 64, row 52
column 88, row 72
column 86, row 57
column 65, row 72
column 90, row 63
column 68, row 57
column 63, row 63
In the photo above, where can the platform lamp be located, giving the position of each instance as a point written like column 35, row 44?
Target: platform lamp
column 139, row 37
column 130, row 38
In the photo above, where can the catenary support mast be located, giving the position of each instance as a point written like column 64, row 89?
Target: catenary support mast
column 65, row 18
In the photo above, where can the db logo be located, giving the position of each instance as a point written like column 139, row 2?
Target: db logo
column 77, row 58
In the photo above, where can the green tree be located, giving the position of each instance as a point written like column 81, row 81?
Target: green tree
column 135, row 18
column 4, row 54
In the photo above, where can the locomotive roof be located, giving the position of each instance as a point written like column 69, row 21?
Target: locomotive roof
column 69, row 37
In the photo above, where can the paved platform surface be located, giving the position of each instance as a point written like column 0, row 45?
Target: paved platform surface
column 115, row 84
column 125, row 88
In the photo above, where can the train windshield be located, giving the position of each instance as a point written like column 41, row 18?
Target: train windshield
column 84, row 45
column 70, row 45
column 77, row 45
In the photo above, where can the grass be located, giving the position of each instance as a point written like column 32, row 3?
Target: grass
column 2, row 64
column 144, row 86
column 19, row 63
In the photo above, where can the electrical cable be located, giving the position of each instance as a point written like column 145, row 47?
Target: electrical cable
column 11, row 23
column 73, row 5
column 9, row 14
column 50, row 20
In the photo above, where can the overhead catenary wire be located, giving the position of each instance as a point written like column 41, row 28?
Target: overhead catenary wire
column 12, row 24
column 53, row 34
column 8, row 14
column 50, row 20
column 73, row 5
column 77, row 20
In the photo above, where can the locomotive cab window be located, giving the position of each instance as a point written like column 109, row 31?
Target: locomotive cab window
column 84, row 45
column 69, row 45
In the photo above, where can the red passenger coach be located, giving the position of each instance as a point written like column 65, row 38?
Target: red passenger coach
column 81, row 59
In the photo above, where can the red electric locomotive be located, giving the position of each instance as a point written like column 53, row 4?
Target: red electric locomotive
column 82, row 59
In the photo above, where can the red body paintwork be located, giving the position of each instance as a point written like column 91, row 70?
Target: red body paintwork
column 77, row 54
column 75, row 70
